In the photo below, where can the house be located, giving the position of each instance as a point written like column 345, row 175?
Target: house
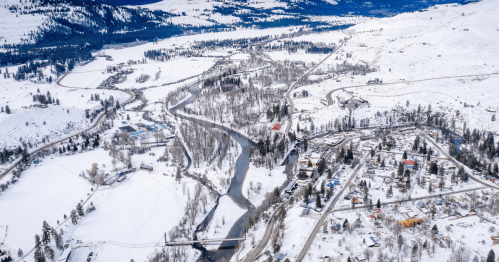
column 280, row 257
column 421, row 204
column 336, row 227
column 145, row 167
column 139, row 134
column 438, row 202
column 289, row 188
column 410, row 222
column 360, row 258
column 371, row 242
column 127, row 129
column 276, row 128
column 409, row 163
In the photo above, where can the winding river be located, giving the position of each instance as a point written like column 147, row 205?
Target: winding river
column 235, row 189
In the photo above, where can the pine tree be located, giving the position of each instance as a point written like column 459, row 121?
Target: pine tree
column 74, row 217
column 58, row 240
column 20, row 253
column 491, row 257
column 178, row 177
column 434, row 229
column 49, row 252
column 378, row 204
column 7, row 109
column 39, row 255
column 46, row 233
column 38, row 240
column 79, row 209
column 318, row 202
column 389, row 192
column 404, row 156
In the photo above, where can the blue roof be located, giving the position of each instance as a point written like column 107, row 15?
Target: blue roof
column 437, row 201
column 280, row 256
column 162, row 125
column 375, row 242
column 137, row 133
column 330, row 184
column 337, row 226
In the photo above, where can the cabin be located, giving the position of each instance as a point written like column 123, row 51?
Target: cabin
column 145, row 167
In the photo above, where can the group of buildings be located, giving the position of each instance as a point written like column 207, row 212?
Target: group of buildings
column 140, row 131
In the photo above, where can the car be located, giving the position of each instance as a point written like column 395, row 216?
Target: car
column 91, row 254
column 318, row 209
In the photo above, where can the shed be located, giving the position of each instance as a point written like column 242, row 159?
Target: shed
column 421, row 204
column 437, row 201
column 276, row 127
column 305, row 212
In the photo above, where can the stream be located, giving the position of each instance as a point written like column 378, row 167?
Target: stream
column 226, row 250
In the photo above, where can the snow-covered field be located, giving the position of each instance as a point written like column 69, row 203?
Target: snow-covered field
column 36, row 124
column 260, row 181
column 140, row 210
column 46, row 192
column 446, row 41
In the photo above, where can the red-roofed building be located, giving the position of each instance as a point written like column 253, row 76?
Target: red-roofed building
column 276, row 127
column 409, row 162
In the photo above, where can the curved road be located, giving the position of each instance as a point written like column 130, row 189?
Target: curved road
column 404, row 82
column 292, row 87
column 98, row 120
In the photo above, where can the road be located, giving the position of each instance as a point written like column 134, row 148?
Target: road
column 96, row 123
column 317, row 228
column 458, row 164
column 292, row 87
column 330, row 100
column 409, row 200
